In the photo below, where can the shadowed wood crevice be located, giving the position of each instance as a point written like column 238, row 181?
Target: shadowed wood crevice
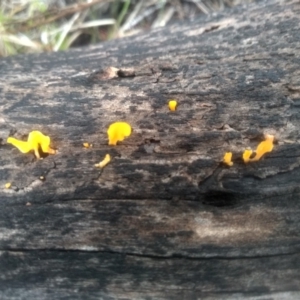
column 141, row 256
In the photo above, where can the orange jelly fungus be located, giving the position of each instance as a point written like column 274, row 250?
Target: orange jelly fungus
column 7, row 185
column 227, row 159
column 104, row 162
column 263, row 148
column 87, row 145
column 172, row 105
column 117, row 132
column 35, row 140
column 246, row 155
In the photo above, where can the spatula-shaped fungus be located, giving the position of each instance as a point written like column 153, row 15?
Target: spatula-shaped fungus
column 263, row 148
column 246, row 155
column 117, row 132
column 104, row 162
column 172, row 105
column 35, row 140
column 227, row 159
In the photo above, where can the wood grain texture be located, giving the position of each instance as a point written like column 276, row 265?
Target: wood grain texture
column 165, row 219
column 38, row 275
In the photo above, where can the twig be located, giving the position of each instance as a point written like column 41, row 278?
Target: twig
column 95, row 23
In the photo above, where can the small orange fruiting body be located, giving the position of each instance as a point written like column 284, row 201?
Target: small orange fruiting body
column 7, row 185
column 246, row 155
column 172, row 105
column 87, row 145
column 263, row 148
column 35, row 140
column 227, row 159
column 117, row 132
column 104, row 162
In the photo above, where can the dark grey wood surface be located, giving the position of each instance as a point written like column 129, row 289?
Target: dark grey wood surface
column 165, row 219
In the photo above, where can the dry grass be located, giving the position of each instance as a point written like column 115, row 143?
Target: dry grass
column 53, row 25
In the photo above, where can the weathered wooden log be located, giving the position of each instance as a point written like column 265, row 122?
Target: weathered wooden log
column 165, row 219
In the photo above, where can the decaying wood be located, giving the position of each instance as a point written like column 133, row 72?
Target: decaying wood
column 165, row 219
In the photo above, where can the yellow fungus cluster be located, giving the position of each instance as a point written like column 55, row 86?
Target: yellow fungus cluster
column 117, row 132
column 263, row 148
column 35, row 141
